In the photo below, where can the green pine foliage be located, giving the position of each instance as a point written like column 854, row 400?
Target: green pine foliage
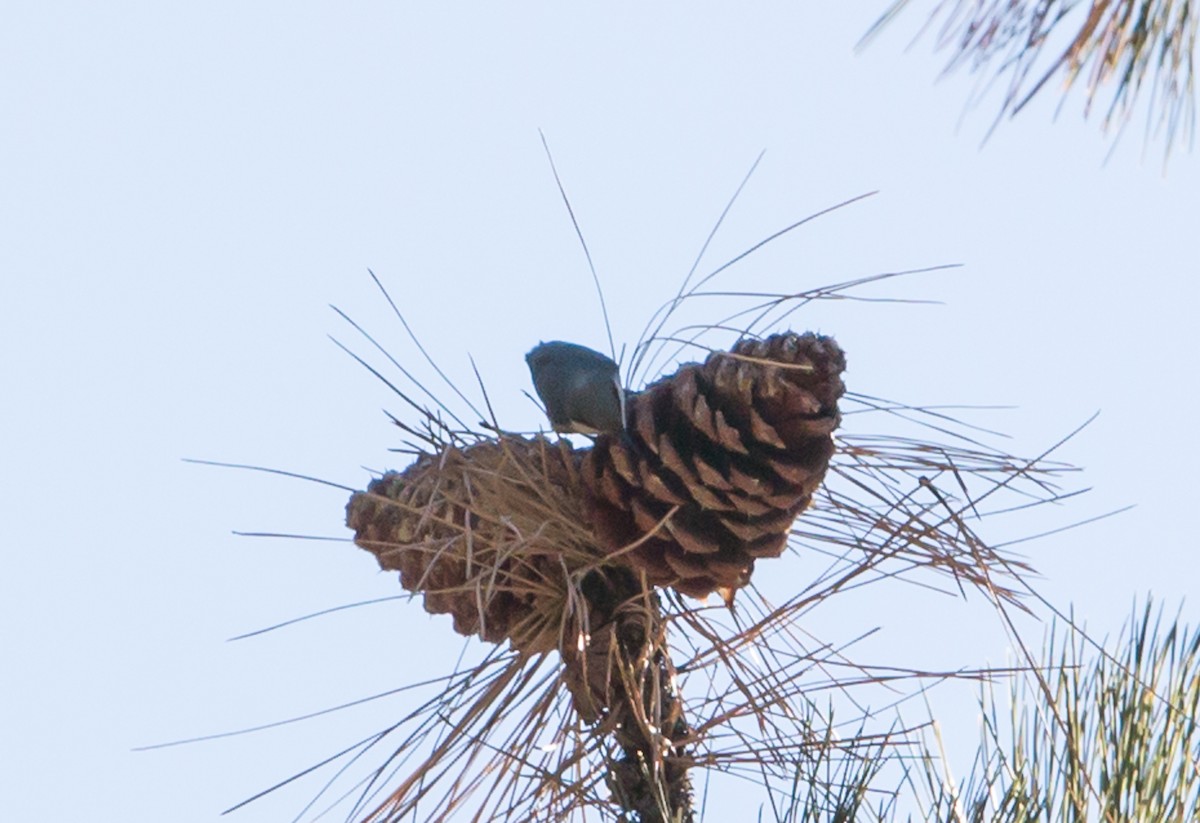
column 1093, row 738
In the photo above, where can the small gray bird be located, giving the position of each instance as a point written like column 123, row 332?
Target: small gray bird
column 580, row 388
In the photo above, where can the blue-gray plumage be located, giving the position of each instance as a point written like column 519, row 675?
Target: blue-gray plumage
column 580, row 388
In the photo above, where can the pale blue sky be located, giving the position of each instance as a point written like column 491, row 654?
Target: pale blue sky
column 184, row 189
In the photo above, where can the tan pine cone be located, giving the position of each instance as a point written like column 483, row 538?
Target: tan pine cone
column 490, row 534
column 495, row 535
column 718, row 460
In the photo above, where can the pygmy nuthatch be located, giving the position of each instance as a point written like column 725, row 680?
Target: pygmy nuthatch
column 580, row 388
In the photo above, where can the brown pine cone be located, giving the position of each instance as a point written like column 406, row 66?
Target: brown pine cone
column 717, row 462
column 489, row 534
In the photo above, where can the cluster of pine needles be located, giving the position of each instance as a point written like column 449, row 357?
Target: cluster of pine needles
column 1129, row 47
column 503, row 740
column 744, row 691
